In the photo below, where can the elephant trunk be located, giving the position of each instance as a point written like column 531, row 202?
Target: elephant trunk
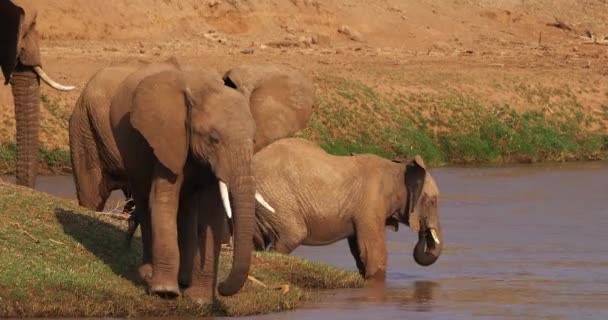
column 26, row 93
column 242, row 188
column 429, row 246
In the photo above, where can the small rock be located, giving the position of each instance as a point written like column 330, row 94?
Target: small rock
column 306, row 40
column 321, row 39
column 283, row 44
column 263, row 46
column 351, row 33
column 247, row 51
column 213, row 3
column 142, row 51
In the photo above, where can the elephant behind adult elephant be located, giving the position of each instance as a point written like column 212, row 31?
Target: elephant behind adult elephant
column 22, row 68
column 320, row 198
column 281, row 99
column 179, row 133
column 96, row 163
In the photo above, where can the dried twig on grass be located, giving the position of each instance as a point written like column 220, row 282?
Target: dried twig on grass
column 55, row 241
column 284, row 287
column 118, row 211
column 22, row 230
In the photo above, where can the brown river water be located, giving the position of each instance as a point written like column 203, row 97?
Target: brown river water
column 521, row 242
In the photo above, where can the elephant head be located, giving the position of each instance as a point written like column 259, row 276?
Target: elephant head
column 280, row 97
column 421, row 212
column 21, row 66
column 191, row 120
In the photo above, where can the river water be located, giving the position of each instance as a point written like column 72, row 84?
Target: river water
column 521, row 242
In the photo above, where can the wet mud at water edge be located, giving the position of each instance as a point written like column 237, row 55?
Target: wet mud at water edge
column 524, row 242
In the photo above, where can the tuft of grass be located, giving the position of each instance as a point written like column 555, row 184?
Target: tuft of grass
column 449, row 127
column 61, row 260
column 51, row 161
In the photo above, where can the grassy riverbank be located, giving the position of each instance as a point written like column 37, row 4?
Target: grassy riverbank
column 518, row 122
column 447, row 127
column 61, row 260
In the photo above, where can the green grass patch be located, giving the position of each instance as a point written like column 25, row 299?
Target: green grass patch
column 51, row 161
column 448, row 127
column 61, row 260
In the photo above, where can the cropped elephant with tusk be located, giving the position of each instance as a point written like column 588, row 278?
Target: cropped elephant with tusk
column 318, row 199
column 22, row 68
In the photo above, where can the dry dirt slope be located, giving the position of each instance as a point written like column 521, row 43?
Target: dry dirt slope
column 493, row 51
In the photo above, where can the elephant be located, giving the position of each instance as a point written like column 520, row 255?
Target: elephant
column 22, row 68
column 319, row 198
column 280, row 99
column 186, row 141
column 96, row 163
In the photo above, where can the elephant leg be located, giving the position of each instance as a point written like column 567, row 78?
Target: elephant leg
column 130, row 203
column 187, row 220
column 92, row 185
column 164, row 202
column 142, row 213
column 371, row 243
column 354, row 250
column 26, row 93
column 211, row 222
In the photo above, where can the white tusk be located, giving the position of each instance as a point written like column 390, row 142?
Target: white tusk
column 434, row 235
column 263, row 202
column 50, row 81
column 225, row 199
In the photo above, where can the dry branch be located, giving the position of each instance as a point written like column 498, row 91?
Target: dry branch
column 22, row 230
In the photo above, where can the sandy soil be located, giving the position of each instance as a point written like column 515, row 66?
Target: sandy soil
column 482, row 48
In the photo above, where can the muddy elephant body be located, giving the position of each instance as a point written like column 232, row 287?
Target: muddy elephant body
column 22, row 68
column 320, row 198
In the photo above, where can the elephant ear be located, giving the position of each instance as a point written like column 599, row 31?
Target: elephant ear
column 161, row 104
column 280, row 99
column 415, row 176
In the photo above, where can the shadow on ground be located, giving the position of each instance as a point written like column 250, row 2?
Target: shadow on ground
column 104, row 240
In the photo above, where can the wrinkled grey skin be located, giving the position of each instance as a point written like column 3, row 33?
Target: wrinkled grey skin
column 96, row 163
column 280, row 98
column 178, row 133
column 321, row 198
column 20, row 62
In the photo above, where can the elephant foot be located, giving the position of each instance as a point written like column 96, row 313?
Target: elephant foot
column 377, row 277
column 165, row 291
column 198, row 296
column 145, row 272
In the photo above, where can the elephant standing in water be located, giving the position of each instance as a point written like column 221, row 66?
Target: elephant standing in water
column 320, row 198
column 22, row 68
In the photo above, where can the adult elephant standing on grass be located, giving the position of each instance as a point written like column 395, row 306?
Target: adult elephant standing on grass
column 22, row 68
column 184, row 138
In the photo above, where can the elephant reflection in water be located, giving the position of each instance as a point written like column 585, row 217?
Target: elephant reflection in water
column 419, row 296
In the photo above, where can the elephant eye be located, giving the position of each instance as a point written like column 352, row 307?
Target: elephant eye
column 214, row 137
